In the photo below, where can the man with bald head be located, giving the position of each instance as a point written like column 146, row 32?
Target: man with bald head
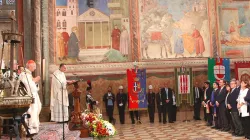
column 197, row 100
column 30, row 84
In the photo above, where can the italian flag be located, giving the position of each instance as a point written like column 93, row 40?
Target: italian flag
column 218, row 69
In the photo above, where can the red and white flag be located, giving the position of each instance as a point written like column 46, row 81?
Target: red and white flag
column 184, row 84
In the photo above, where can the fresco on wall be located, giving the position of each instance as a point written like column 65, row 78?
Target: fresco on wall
column 97, row 34
column 234, row 29
column 174, row 28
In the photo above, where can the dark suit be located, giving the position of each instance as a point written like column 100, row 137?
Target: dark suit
column 121, row 100
column 197, row 102
column 109, row 103
column 167, row 107
column 207, row 97
column 215, row 109
column 234, row 111
column 151, row 106
column 159, row 105
column 222, row 109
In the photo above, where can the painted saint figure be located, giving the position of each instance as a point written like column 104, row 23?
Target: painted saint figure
column 199, row 43
column 60, row 46
column 65, row 36
column 235, row 35
column 124, row 41
column 73, row 48
column 116, row 38
column 178, row 42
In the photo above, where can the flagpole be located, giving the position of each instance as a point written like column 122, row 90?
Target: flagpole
column 138, row 111
column 183, row 70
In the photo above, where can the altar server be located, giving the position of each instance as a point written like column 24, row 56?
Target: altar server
column 30, row 83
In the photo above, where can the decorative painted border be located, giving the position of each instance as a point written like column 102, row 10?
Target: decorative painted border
column 198, row 64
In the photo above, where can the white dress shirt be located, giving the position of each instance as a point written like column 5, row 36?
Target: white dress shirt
column 241, row 100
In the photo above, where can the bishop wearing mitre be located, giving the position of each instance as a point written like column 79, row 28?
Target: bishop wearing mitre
column 59, row 101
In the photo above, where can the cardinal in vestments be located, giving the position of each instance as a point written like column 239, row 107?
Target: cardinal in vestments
column 30, row 84
column 116, row 38
column 59, row 95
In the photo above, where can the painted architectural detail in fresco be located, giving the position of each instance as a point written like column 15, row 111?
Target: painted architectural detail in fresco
column 234, row 30
column 172, row 29
column 98, row 34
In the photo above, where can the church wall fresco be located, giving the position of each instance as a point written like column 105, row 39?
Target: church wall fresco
column 234, row 28
column 92, row 35
column 103, row 33
column 172, row 29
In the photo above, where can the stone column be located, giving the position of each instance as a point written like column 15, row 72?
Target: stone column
column 20, row 17
column 45, row 46
column 36, row 38
column 52, row 28
column 27, row 30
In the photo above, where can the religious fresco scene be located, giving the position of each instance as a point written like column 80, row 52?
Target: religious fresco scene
column 98, row 34
column 234, row 30
column 174, row 28
column 125, row 69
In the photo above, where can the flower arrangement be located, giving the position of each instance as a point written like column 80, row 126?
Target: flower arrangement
column 97, row 126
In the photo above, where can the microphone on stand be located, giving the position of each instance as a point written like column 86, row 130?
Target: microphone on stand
column 62, row 105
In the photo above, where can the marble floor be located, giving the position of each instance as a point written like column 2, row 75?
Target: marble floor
column 193, row 130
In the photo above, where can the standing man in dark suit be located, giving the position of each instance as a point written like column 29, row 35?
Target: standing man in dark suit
column 215, row 109
column 197, row 101
column 238, row 84
column 151, row 103
column 167, row 102
column 220, row 102
column 159, row 105
column 232, row 105
column 109, row 99
column 121, row 100
column 206, row 103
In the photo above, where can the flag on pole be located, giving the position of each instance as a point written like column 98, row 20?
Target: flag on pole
column 218, row 69
column 137, row 89
column 184, row 84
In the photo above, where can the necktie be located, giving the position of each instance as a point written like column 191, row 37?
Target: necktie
column 205, row 94
column 166, row 93
column 197, row 92
column 226, row 100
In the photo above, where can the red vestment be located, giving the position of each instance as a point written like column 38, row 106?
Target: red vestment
column 65, row 36
column 199, row 43
column 116, row 39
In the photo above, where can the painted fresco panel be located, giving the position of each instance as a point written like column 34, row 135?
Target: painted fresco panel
column 174, row 28
column 92, row 35
column 234, row 28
